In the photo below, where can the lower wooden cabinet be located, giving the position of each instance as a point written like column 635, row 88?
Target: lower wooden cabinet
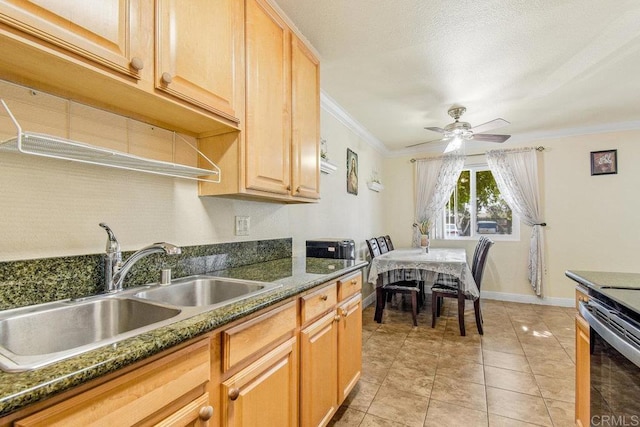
column 583, row 365
column 170, row 391
column 349, row 345
column 265, row 393
column 195, row 414
column 263, row 371
column 319, row 371
column 331, row 353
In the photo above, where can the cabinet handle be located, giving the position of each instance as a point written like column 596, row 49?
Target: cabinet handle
column 234, row 393
column 137, row 63
column 298, row 190
column 336, row 318
column 206, row 412
column 288, row 188
column 166, row 78
column 344, row 312
column 323, row 297
column 354, row 282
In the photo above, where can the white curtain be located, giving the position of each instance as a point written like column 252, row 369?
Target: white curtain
column 516, row 174
column 436, row 177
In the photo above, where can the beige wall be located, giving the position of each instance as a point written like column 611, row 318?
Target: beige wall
column 592, row 220
column 52, row 208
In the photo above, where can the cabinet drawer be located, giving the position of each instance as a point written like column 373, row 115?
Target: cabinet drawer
column 196, row 413
column 318, row 302
column 349, row 285
column 240, row 342
column 129, row 399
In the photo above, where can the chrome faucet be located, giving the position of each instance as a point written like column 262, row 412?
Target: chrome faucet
column 115, row 270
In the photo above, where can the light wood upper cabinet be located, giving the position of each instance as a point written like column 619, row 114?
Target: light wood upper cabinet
column 267, row 126
column 305, row 121
column 276, row 155
column 198, row 49
column 113, row 54
column 109, row 33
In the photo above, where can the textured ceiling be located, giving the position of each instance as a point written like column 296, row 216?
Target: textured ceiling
column 549, row 67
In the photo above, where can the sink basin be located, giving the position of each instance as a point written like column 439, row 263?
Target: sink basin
column 35, row 336
column 38, row 335
column 200, row 291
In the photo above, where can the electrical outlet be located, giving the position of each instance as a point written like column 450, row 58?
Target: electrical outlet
column 242, row 225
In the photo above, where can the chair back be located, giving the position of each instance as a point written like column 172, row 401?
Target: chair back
column 476, row 253
column 478, row 267
column 374, row 249
column 389, row 244
column 382, row 244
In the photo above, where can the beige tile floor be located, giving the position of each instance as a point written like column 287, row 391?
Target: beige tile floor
column 519, row 373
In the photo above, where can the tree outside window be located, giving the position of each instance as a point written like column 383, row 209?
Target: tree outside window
column 476, row 208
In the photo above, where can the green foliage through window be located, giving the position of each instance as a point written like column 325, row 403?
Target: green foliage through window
column 476, row 207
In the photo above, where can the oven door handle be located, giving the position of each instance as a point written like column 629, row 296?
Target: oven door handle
column 626, row 348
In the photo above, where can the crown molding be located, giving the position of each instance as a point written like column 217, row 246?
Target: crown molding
column 332, row 107
column 569, row 132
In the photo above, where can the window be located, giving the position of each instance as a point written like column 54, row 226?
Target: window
column 476, row 208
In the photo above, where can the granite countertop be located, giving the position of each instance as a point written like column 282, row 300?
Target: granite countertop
column 296, row 274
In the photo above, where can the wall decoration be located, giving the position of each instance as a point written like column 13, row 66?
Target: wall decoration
column 604, row 162
column 352, row 172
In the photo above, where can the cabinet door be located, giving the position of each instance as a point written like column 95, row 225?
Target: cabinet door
column 349, row 345
column 109, row 33
column 583, row 376
column 265, row 393
column 268, row 94
column 305, row 121
column 319, row 371
column 198, row 50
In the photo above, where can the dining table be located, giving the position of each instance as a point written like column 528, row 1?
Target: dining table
column 423, row 265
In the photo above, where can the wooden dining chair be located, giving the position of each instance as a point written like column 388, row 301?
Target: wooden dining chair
column 445, row 287
column 374, row 249
column 389, row 243
column 410, row 287
column 382, row 244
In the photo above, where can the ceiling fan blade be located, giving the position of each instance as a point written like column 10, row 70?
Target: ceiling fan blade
column 439, row 130
column 493, row 124
column 426, row 142
column 487, row 137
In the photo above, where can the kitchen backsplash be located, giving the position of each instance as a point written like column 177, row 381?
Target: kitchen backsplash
column 49, row 279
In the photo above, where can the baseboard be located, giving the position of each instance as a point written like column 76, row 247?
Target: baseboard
column 501, row 296
column 369, row 300
column 529, row 299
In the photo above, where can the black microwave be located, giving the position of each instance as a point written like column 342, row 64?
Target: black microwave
column 331, row 248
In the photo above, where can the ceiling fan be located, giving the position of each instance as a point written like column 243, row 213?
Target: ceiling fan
column 458, row 131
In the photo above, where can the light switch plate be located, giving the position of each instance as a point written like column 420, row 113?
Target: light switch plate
column 242, row 225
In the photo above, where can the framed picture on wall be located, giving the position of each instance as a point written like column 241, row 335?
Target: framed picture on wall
column 352, row 172
column 604, row 162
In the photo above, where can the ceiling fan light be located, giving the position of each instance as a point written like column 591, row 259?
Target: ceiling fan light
column 458, row 133
column 454, row 145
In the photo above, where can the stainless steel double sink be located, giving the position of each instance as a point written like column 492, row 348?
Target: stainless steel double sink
column 35, row 336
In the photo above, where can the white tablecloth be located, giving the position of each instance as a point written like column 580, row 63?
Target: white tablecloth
column 415, row 263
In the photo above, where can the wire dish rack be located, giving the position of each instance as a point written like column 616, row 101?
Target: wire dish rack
column 54, row 147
